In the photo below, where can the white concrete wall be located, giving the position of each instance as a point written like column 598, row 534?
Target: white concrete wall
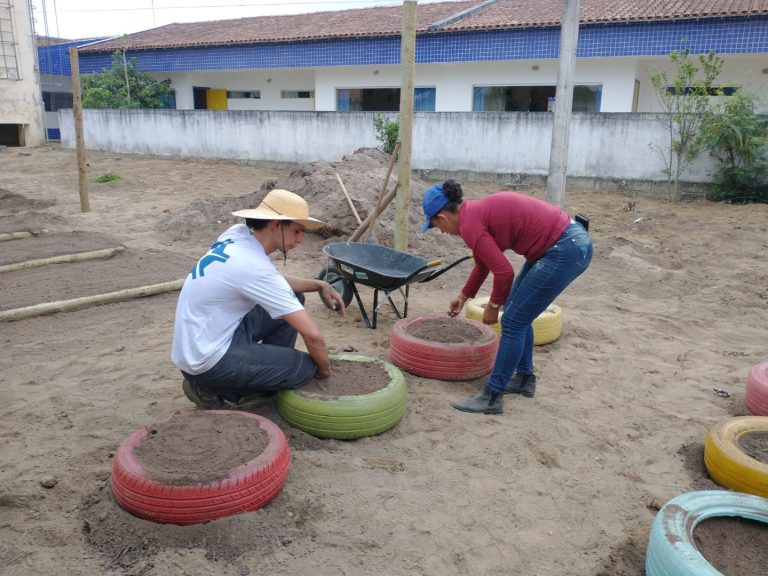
column 21, row 101
column 603, row 146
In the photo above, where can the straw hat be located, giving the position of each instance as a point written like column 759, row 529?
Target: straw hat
column 282, row 205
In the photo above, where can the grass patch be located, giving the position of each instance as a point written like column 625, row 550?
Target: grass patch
column 108, row 177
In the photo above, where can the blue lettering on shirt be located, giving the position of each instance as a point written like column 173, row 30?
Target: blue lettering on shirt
column 215, row 254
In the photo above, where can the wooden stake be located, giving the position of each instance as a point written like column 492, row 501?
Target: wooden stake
column 77, row 257
column 5, row 236
column 383, row 190
column 373, row 215
column 349, row 200
column 76, row 303
column 77, row 108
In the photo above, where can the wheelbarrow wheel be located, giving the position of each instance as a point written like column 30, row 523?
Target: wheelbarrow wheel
column 347, row 417
column 332, row 275
column 441, row 360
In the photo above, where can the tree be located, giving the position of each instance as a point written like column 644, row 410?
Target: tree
column 123, row 86
column 685, row 99
column 737, row 139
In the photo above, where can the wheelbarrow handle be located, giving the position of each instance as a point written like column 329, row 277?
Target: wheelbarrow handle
column 435, row 273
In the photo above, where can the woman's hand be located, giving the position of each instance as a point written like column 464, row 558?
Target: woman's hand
column 490, row 315
column 456, row 305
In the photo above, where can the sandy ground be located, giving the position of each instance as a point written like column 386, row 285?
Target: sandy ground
column 567, row 483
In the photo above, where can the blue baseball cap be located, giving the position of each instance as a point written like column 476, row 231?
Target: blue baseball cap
column 434, row 200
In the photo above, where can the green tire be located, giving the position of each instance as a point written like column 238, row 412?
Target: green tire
column 347, row 417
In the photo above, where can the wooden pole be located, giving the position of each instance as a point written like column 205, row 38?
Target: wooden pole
column 373, row 215
column 405, row 130
column 63, row 258
column 77, row 108
column 5, row 236
column 383, row 191
column 558, row 155
column 76, row 303
column 348, row 197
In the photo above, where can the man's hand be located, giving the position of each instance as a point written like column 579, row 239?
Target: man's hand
column 329, row 295
column 322, row 374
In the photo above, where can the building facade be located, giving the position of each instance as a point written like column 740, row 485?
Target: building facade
column 492, row 56
column 21, row 109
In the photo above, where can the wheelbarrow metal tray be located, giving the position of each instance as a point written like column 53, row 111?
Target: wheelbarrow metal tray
column 381, row 267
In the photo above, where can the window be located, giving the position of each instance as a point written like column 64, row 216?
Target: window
column 532, row 98
column 9, row 67
column 168, row 101
column 382, row 99
column 233, row 94
column 57, row 100
column 297, row 93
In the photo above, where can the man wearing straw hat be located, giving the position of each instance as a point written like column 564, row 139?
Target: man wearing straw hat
column 237, row 318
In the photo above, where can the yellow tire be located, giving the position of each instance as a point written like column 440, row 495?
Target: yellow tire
column 548, row 325
column 546, row 328
column 474, row 311
column 727, row 462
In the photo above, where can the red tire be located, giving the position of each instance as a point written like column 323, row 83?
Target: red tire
column 247, row 487
column 439, row 360
column 756, row 393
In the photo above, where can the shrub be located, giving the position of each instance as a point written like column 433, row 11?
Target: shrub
column 737, row 139
column 387, row 132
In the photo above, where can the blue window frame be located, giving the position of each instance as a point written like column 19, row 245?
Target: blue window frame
column 382, row 99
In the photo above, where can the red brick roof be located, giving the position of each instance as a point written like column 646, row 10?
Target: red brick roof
column 387, row 21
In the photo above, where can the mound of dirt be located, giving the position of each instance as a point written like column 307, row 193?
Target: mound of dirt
column 362, row 173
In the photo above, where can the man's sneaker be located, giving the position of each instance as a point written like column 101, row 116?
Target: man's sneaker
column 202, row 397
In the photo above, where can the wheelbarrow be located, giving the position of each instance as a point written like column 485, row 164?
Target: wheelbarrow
column 381, row 268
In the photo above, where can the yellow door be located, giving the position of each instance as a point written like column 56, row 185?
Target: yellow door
column 217, row 98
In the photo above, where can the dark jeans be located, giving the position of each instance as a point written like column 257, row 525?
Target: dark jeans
column 536, row 286
column 261, row 358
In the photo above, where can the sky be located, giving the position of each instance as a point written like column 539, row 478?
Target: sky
column 76, row 19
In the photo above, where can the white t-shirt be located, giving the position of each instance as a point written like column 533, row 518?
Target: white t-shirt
column 225, row 284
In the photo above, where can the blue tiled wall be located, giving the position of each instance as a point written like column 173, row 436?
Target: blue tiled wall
column 54, row 60
column 54, row 134
column 724, row 36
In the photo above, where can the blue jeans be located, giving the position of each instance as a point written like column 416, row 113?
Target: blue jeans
column 536, row 286
column 261, row 358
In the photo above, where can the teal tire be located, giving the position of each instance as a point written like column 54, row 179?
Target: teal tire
column 347, row 417
column 671, row 549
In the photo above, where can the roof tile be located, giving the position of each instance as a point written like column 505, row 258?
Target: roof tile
column 387, row 21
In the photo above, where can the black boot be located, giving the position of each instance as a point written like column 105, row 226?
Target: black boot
column 523, row 384
column 203, row 397
column 482, row 403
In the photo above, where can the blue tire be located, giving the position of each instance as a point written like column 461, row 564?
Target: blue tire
column 671, row 551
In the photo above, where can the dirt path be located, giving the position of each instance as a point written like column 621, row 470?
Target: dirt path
column 674, row 305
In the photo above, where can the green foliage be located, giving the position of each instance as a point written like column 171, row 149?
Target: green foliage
column 108, row 177
column 685, row 98
column 387, row 132
column 737, row 139
column 123, row 86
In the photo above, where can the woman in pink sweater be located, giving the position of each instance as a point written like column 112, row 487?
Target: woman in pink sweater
column 556, row 249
